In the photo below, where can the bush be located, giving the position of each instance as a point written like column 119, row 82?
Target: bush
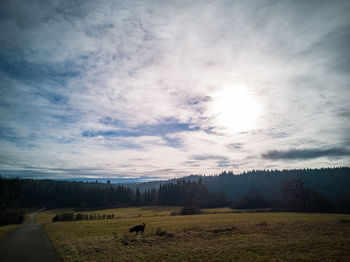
column 190, row 210
column 8, row 217
column 79, row 216
column 56, row 218
column 63, row 217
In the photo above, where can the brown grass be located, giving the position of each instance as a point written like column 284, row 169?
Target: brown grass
column 209, row 237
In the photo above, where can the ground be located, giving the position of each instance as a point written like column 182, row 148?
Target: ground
column 29, row 243
column 5, row 230
column 217, row 236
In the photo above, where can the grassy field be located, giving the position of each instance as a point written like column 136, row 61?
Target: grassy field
column 217, row 236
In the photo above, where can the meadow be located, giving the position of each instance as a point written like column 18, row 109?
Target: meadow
column 216, row 236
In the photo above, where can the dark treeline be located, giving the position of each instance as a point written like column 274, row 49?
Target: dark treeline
column 311, row 190
column 325, row 189
column 57, row 194
column 83, row 195
column 330, row 182
column 189, row 193
column 9, row 193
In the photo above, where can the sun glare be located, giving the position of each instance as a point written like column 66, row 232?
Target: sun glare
column 236, row 108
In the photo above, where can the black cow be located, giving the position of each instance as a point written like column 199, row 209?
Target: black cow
column 138, row 228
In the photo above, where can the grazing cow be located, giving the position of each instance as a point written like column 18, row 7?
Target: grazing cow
column 138, row 228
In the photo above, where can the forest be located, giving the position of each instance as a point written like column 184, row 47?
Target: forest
column 302, row 190
column 17, row 192
column 329, row 188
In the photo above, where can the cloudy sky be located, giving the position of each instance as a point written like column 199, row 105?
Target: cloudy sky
column 163, row 89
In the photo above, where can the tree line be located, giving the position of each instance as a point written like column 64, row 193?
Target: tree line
column 312, row 190
column 304, row 190
column 17, row 192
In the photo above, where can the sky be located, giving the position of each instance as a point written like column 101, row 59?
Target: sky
column 164, row 89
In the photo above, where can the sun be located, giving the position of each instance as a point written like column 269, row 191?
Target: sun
column 236, row 108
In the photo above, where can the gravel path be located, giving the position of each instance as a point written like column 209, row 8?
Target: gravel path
column 28, row 243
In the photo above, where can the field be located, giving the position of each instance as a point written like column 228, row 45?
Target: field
column 217, row 236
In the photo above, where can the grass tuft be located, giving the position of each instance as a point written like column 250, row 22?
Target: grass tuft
column 163, row 233
column 262, row 223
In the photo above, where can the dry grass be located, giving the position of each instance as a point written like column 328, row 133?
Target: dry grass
column 207, row 237
column 218, row 210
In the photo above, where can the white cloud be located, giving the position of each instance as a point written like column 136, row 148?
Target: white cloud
column 67, row 67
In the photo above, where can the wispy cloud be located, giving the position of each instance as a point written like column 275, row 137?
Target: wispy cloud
column 138, row 88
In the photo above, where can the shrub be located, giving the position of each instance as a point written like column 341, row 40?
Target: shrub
column 56, row 218
column 63, row 217
column 79, row 216
column 190, row 210
column 8, row 217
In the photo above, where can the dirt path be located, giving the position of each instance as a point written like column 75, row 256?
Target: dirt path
column 28, row 243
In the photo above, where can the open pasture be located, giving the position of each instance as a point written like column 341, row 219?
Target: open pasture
column 207, row 237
